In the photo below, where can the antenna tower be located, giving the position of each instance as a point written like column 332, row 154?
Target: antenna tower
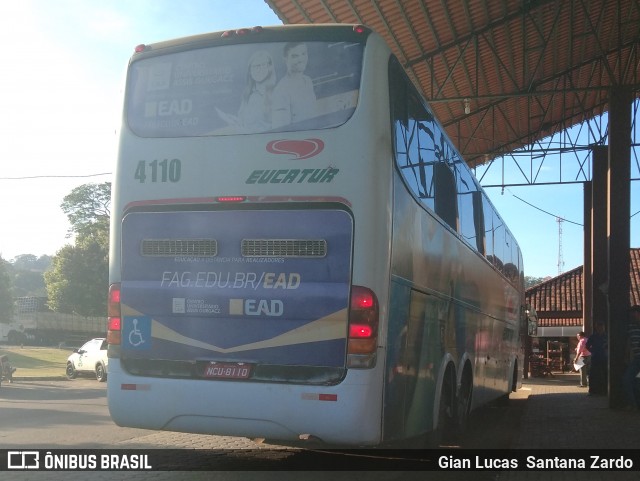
column 560, row 258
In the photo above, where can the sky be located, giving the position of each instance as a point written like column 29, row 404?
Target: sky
column 64, row 66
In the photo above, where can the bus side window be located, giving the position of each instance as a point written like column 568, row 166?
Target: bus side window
column 488, row 227
column 498, row 242
column 413, row 131
column 478, row 221
column 511, row 257
column 470, row 208
column 445, row 189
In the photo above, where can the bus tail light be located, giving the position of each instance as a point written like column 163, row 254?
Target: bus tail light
column 231, row 198
column 363, row 328
column 114, row 321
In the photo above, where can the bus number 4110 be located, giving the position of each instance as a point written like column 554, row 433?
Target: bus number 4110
column 158, row 171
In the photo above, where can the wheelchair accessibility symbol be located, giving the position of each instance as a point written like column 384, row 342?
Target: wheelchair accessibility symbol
column 135, row 336
column 136, row 332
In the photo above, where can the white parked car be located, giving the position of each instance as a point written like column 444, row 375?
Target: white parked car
column 91, row 357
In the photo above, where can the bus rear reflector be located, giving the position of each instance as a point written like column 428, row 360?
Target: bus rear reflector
column 135, row 387
column 114, row 321
column 363, row 328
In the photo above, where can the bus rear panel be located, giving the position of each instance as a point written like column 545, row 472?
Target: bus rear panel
column 233, row 299
column 236, row 306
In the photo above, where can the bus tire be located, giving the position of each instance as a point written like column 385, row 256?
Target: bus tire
column 513, row 387
column 464, row 401
column 446, row 430
column 514, row 377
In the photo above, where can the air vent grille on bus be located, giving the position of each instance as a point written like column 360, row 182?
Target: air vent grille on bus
column 179, row 247
column 284, row 248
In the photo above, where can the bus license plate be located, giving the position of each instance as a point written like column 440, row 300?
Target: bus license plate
column 221, row 370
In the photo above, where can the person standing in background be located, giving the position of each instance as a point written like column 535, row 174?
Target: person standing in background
column 583, row 354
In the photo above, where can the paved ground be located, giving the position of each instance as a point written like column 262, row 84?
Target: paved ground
column 552, row 413
column 560, row 415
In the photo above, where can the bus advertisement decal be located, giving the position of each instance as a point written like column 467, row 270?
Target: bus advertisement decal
column 202, row 92
column 276, row 290
column 329, row 328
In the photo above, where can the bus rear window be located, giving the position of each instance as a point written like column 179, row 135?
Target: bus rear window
column 244, row 89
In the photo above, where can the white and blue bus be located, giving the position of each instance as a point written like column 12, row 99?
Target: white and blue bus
column 298, row 251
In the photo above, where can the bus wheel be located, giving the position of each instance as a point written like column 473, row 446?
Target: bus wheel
column 464, row 402
column 513, row 387
column 446, row 429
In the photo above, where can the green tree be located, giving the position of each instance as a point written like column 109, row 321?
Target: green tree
column 78, row 280
column 6, row 298
column 533, row 281
column 27, row 272
column 29, row 262
column 87, row 208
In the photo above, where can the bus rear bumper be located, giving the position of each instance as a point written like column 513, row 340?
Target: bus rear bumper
column 345, row 414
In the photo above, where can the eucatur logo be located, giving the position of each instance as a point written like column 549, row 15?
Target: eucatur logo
column 299, row 149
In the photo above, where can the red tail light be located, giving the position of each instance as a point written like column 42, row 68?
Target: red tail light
column 114, row 322
column 360, row 331
column 363, row 328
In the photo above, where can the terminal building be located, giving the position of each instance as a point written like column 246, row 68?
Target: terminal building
column 559, row 304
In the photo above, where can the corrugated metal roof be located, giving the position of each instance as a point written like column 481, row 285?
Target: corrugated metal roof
column 529, row 67
column 558, row 301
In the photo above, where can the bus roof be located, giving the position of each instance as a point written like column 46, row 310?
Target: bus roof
column 278, row 33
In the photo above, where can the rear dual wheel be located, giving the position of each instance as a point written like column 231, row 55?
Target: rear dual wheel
column 454, row 409
column 445, row 431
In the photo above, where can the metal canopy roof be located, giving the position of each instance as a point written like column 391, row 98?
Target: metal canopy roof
column 524, row 69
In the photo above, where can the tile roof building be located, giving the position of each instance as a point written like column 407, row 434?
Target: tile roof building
column 559, row 301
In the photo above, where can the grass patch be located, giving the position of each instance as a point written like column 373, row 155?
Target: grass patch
column 37, row 361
